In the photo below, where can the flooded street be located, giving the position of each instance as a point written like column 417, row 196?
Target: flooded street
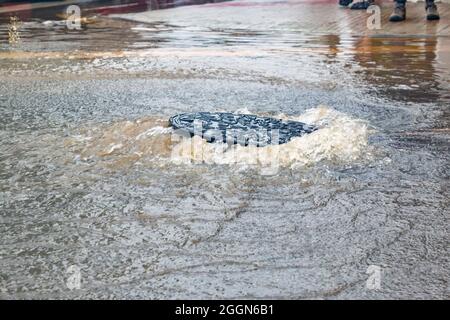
column 92, row 178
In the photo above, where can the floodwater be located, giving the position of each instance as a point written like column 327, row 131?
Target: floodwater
column 95, row 187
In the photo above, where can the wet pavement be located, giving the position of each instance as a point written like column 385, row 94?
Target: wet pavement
column 92, row 179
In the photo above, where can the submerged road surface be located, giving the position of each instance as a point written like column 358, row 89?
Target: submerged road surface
column 99, row 200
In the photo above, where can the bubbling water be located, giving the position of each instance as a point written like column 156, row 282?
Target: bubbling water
column 339, row 139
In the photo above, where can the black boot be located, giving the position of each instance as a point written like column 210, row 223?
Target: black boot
column 362, row 5
column 399, row 13
column 345, row 3
column 432, row 11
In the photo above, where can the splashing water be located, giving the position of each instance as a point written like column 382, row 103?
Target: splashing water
column 340, row 139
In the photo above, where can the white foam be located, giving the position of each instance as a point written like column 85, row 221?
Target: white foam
column 340, row 138
column 159, row 130
column 149, row 141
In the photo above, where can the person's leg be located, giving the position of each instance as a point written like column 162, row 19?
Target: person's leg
column 345, row 3
column 399, row 13
column 362, row 5
column 432, row 11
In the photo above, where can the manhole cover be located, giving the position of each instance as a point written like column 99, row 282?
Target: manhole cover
column 243, row 129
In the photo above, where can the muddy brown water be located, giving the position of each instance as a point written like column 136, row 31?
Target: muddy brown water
column 92, row 179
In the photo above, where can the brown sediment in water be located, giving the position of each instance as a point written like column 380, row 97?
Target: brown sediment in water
column 140, row 226
column 122, row 143
column 149, row 141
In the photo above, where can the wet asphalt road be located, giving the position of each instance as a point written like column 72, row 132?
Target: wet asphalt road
column 138, row 226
